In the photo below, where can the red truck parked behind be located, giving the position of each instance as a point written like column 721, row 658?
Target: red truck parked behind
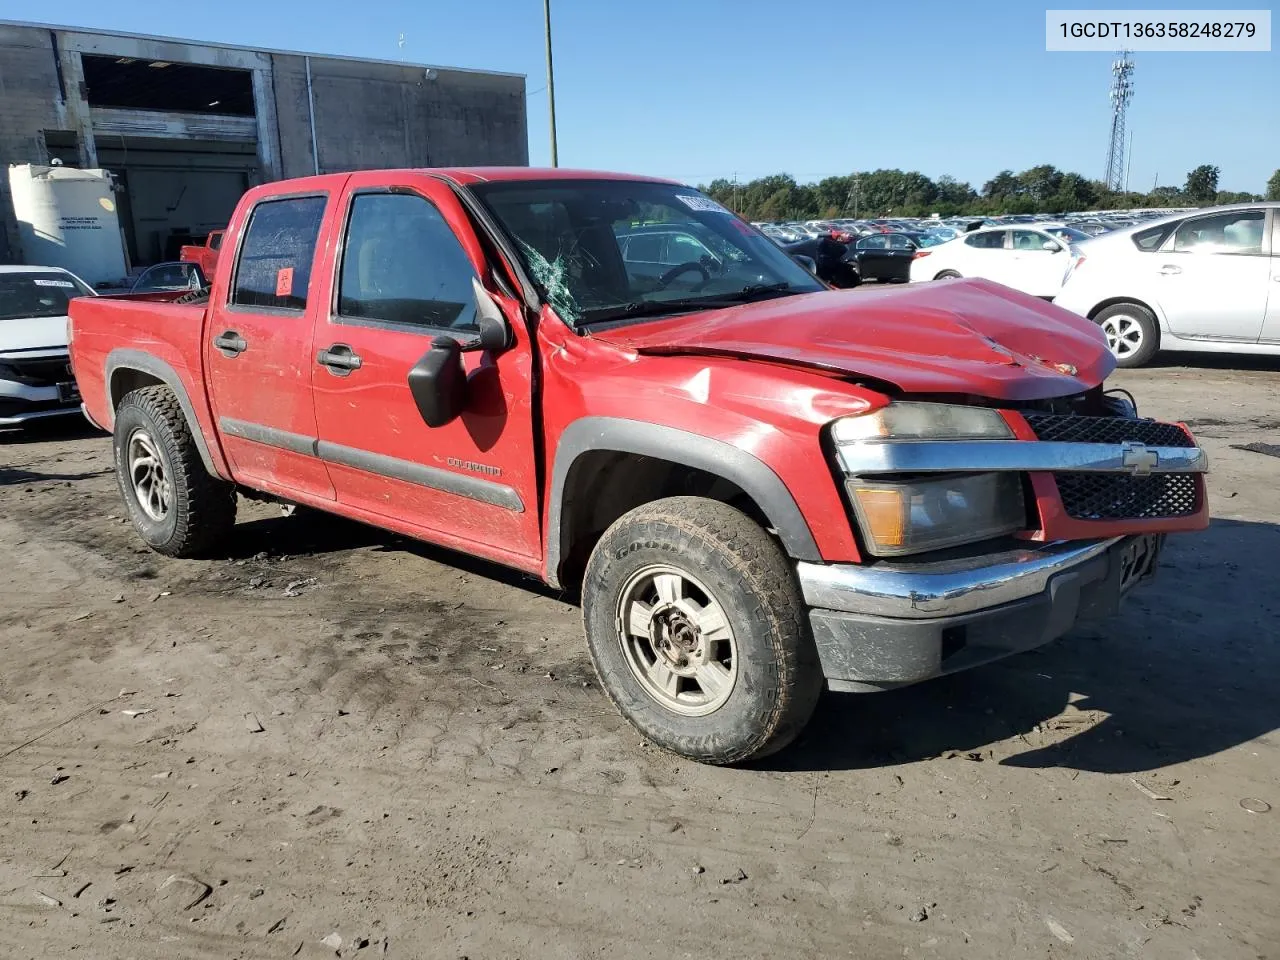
column 757, row 484
column 205, row 254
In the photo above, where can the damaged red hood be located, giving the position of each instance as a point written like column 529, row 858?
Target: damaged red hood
column 959, row 337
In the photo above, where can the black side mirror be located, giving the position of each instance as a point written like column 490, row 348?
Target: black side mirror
column 808, row 263
column 438, row 382
column 494, row 332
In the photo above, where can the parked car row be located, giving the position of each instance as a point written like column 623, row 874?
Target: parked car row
column 1206, row 280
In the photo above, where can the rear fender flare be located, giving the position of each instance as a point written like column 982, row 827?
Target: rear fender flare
column 752, row 475
column 125, row 359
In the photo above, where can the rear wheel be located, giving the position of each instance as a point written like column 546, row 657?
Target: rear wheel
column 1133, row 336
column 946, row 275
column 176, row 506
column 698, row 632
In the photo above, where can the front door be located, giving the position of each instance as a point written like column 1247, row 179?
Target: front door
column 1212, row 276
column 258, row 353
column 1038, row 263
column 404, row 275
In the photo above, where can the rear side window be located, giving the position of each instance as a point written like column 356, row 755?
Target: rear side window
column 1239, row 232
column 1149, row 240
column 403, row 264
column 275, row 258
column 990, row 240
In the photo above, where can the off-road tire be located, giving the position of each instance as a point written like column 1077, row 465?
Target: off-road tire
column 203, row 507
column 947, row 275
column 779, row 677
column 1146, row 326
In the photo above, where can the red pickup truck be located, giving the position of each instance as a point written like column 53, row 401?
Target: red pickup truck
column 205, row 254
column 757, row 485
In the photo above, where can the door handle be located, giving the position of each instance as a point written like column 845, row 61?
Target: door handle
column 1169, row 270
column 230, row 344
column 339, row 360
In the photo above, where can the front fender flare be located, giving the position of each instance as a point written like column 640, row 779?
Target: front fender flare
column 754, row 476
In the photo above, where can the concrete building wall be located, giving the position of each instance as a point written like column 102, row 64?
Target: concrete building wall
column 29, row 105
column 365, row 114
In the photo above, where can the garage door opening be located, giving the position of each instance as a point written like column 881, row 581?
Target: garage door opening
column 140, row 84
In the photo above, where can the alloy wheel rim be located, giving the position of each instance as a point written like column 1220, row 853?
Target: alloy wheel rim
column 1124, row 334
column 152, row 487
column 677, row 640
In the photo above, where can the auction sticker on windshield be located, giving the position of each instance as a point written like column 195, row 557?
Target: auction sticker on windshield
column 705, row 204
column 54, row 283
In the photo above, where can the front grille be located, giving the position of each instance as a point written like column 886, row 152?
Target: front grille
column 1069, row 429
column 1112, row 496
column 42, row 372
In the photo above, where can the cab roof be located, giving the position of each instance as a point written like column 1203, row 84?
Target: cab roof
column 464, row 176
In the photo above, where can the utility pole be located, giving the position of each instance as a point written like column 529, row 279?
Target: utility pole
column 1128, row 164
column 551, row 82
column 735, row 191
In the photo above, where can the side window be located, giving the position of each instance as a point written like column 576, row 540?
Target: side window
column 1149, row 240
column 1239, row 231
column 274, row 269
column 644, row 248
column 683, row 248
column 1029, row 240
column 403, row 264
column 987, row 240
column 898, row 242
column 877, row 241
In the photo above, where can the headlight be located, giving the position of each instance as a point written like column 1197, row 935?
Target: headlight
column 912, row 517
column 923, row 421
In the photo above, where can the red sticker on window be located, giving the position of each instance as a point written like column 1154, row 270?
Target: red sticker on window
column 284, row 281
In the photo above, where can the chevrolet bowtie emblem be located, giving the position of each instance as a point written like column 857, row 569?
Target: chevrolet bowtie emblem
column 1139, row 459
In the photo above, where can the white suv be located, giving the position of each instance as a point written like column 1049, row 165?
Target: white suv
column 1208, row 280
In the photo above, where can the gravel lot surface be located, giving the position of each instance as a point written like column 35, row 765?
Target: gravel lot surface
column 336, row 740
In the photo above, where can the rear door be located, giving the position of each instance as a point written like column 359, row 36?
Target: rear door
column 258, row 351
column 871, row 254
column 405, row 266
column 1212, row 276
column 983, row 254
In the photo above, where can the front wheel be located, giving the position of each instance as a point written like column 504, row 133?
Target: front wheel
column 947, row 275
column 1133, row 336
column 698, row 631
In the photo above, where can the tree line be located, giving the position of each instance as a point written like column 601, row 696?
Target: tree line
column 1041, row 189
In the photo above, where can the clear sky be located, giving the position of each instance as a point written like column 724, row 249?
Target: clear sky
column 698, row 89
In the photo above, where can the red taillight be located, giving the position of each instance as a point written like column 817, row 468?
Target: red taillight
column 919, row 253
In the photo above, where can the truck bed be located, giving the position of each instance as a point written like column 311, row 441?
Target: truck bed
column 164, row 337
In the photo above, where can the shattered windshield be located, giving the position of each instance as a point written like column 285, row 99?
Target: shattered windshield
column 605, row 249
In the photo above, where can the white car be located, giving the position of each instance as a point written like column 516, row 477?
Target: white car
column 1207, row 280
column 1021, row 256
column 35, row 371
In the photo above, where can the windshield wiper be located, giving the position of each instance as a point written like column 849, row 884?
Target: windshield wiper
column 643, row 308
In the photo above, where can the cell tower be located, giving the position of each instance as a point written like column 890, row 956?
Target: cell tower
column 1121, row 94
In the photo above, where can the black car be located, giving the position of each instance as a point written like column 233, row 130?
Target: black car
column 885, row 256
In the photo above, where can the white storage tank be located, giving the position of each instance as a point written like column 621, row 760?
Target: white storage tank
column 67, row 218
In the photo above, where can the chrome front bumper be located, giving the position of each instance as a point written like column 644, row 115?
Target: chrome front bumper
column 918, row 591
column 889, row 625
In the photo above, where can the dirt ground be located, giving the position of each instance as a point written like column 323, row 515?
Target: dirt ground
column 334, row 731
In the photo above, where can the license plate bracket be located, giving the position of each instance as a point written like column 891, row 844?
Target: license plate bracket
column 1139, row 558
